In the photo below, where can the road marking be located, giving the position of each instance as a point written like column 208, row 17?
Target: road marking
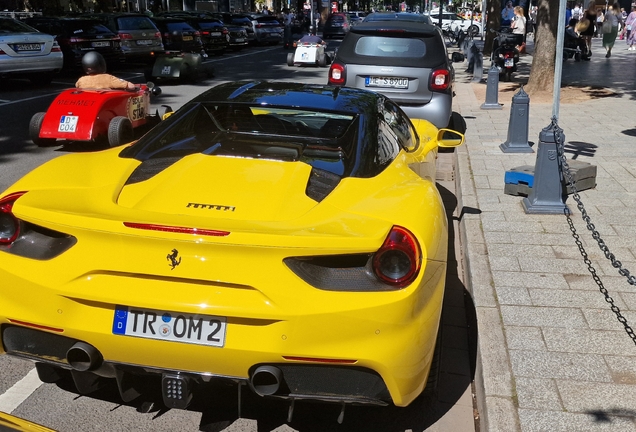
column 28, row 99
column 241, row 55
column 21, row 390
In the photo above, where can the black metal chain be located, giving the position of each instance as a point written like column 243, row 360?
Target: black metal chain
column 565, row 169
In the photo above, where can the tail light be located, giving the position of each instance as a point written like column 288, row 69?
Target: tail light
column 259, row 25
column 440, row 79
column 2, row 52
column 509, row 54
column 9, row 224
column 77, row 40
column 337, row 74
column 399, row 259
column 158, row 35
column 225, row 31
column 125, row 36
column 55, row 47
column 197, row 34
column 205, row 33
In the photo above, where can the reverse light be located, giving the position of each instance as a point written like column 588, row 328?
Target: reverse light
column 440, row 79
column 336, row 74
column 399, row 259
column 176, row 229
column 9, row 224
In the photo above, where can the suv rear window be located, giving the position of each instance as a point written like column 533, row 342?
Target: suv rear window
column 79, row 27
column 179, row 26
column 135, row 23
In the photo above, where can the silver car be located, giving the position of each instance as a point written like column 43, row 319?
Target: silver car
column 25, row 52
column 404, row 60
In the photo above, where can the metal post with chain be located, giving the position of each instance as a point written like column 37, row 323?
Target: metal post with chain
column 631, row 279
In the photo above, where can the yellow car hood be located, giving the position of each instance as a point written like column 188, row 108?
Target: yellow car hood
column 224, row 187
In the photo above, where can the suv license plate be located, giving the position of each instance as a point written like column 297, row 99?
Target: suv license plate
column 172, row 326
column 100, row 44
column 144, row 42
column 187, row 38
column 387, row 82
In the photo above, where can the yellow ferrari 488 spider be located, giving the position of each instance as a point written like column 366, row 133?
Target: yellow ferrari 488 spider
column 285, row 237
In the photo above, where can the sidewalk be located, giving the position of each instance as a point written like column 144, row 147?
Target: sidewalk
column 552, row 356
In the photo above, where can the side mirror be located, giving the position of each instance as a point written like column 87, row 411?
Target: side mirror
column 457, row 57
column 449, row 138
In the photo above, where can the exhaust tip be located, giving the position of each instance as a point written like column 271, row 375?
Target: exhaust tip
column 84, row 357
column 266, row 380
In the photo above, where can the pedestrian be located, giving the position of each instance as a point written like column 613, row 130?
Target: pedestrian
column 611, row 21
column 590, row 14
column 577, row 12
column 507, row 14
column 288, row 20
column 533, row 22
column 599, row 23
column 518, row 26
column 630, row 22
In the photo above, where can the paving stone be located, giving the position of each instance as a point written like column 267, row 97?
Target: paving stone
column 542, row 316
column 560, row 266
column 501, row 415
column 560, row 365
column 504, row 263
column 550, row 421
column 513, row 250
column 528, row 338
column 529, row 280
column 622, row 367
column 570, row 298
column 580, row 396
column 605, row 319
column 534, row 393
column 492, row 346
column 588, row 341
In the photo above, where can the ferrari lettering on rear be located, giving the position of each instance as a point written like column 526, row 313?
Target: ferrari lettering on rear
column 172, row 326
column 211, row 206
column 67, row 124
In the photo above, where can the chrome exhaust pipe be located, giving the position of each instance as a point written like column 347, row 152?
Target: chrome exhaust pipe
column 84, row 357
column 266, row 380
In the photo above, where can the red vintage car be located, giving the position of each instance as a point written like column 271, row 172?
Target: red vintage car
column 92, row 115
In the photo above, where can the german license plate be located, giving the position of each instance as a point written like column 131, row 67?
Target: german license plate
column 67, row 123
column 100, row 44
column 144, row 42
column 187, row 38
column 509, row 62
column 27, row 47
column 240, row 40
column 387, row 82
column 215, row 34
column 171, row 326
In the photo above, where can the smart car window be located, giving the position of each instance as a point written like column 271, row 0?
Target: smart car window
column 377, row 46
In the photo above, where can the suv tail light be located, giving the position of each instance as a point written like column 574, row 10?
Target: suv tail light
column 158, row 35
column 440, row 80
column 125, row 36
column 9, row 224
column 337, row 75
column 399, row 259
column 205, row 33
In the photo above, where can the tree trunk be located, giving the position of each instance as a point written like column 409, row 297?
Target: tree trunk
column 543, row 58
column 493, row 17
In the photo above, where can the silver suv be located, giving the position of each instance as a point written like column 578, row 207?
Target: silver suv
column 404, row 60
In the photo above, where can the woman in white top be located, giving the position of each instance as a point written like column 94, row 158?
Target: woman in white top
column 518, row 26
column 615, row 17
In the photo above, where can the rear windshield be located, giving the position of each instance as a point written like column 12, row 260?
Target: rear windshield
column 337, row 19
column 241, row 21
column 135, row 23
column 81, row 27
column 423, row 51
column 322, row 139
column 179, row 26
column 11, row 26
column 210, row 25
column 267, row 20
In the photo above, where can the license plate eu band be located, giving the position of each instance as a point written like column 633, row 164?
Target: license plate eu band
column 386, row 82
column 171, row 326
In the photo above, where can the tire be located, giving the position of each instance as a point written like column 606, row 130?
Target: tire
column 290, row 59
column 35, row 125
column 506, row 75
column 322, row 60
column 120, row 131
column 473, row 30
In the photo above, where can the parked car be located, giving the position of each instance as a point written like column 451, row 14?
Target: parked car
column 404, row 60
column 28, row 53
column 140, row 38
column 356, row 16
column 337, row 25
column 214, row 35
column 452, row 21
column 267, row 29
column 145, row 250
column 234, row 22
column 399, row 16
column 178, row 34
column 77, row 36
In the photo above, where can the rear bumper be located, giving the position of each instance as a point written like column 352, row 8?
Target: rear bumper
column 438, row 110
column 25, row 65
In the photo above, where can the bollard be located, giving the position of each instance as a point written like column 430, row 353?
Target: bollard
column 492, row 89
column 548, row 192
column 517, row 141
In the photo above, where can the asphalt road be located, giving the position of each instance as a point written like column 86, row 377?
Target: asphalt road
column 24, row 395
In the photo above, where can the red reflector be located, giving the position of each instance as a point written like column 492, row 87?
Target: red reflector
column 2, row 52
column 175, row 229
column 37, row 326
column 320, row 360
